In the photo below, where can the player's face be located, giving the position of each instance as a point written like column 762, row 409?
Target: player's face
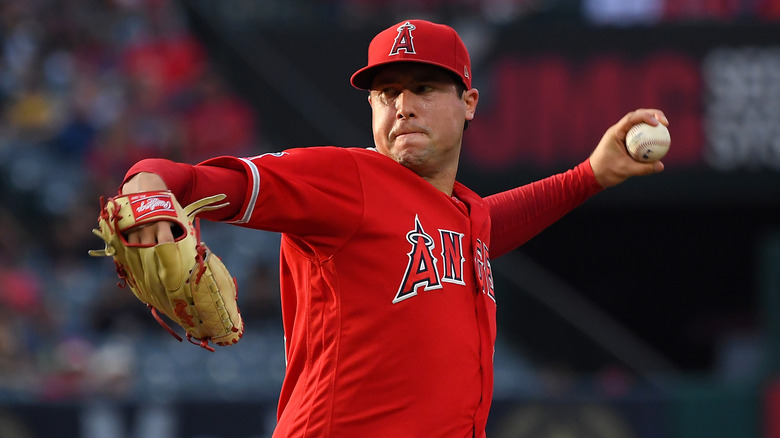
column 418, row 113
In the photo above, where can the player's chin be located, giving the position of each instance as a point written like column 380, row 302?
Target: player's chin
column 421, row 163
column 409, row 154
column 410, row 146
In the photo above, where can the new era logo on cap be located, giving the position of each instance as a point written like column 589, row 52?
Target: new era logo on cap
column 416, row 41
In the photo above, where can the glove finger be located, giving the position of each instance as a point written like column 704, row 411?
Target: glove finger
column 151, row 288
column 169, row 265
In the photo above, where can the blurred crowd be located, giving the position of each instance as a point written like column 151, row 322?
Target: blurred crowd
column 353, row 13
column 88, row 87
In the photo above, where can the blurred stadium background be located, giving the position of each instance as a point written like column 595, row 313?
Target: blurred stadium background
column 652, row 311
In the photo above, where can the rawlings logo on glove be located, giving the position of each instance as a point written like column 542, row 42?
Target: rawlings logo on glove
column 152, row 205
column 182, row 279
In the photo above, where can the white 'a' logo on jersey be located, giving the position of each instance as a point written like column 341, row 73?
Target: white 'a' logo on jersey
column 423, row 270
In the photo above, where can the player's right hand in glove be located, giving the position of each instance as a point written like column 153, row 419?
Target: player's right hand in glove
column 155, row 232
column 157, row 250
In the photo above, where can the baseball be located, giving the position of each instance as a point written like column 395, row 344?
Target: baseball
column 648, row 143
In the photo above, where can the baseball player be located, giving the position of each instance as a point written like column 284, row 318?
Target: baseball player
column 387, row 292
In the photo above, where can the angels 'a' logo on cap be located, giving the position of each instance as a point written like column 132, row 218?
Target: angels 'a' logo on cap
column 403, row 41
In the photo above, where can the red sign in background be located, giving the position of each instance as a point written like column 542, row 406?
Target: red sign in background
column 548, row 110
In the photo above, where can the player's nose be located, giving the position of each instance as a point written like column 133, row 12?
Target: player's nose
column 404, row 105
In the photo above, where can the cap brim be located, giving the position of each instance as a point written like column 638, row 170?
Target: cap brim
column 363, row 78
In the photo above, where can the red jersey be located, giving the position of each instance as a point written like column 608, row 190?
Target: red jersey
column 387, row 292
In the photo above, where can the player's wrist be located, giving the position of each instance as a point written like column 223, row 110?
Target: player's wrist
column 143, row 182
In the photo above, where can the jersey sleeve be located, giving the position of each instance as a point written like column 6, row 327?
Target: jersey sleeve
column 306, row 192
column 190, row 183
column 519, row 214
column 312, row 193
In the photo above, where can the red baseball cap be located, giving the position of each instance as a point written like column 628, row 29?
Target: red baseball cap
column 416, row 41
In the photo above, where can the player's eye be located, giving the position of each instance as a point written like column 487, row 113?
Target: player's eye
column 390, row 92
column 424, row 88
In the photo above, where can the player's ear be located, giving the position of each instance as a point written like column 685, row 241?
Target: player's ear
column 470, row 98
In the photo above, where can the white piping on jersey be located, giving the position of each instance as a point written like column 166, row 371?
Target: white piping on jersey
column 250, row 207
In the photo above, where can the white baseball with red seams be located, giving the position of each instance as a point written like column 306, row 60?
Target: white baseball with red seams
column 648, row 143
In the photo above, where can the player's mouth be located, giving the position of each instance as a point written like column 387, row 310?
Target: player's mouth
column 406, row 131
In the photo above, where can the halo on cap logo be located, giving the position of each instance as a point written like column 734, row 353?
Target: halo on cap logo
column 403, row 41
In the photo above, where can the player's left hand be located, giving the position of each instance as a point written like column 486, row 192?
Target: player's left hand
column 610, row 161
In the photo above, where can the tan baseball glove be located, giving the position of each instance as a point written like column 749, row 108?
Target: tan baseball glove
column 182, row 279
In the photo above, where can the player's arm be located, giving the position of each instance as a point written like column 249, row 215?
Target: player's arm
column 611, row 162
column 187, row 183
column 521, row 213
